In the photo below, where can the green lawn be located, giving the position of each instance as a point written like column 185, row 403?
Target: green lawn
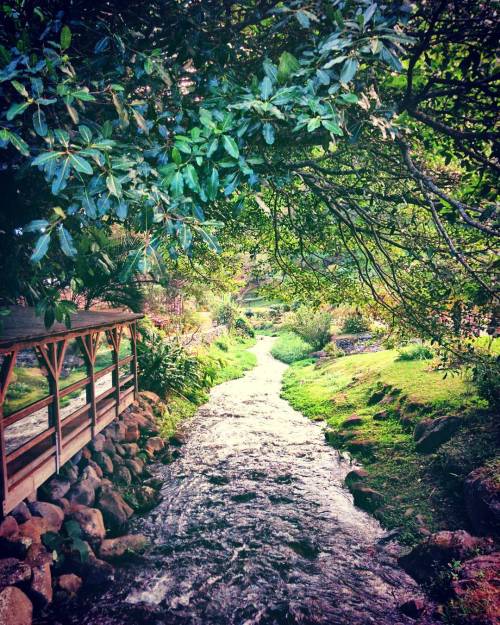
column 418, row 489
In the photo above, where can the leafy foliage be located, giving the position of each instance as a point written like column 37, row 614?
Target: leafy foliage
column 417, row 351
column 289, row 347
column 313, row 326
column 354, row 324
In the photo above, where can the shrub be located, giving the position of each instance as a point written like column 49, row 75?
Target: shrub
column 166, row 367
column 226, row 313
column 290, row 347
column 486, row 378
column 243, row 328
column 416, row 351
column 355, row 324
column 313, row 326
column 334, row 351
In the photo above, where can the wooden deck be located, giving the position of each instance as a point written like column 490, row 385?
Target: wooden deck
column 24, row 468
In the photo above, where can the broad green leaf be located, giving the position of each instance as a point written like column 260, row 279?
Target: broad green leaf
column 214, row 144
column 83, row 95
column 19, row 144
column 141, row 122
column 176, row 156
column 85, row 133
column 210, row 240
column 40, row 123
column 41, row 247
column 313, row 124
column 65, row 37
column 191, row 178
column 268, row 133
column 287, row 66
column 37, row 225
column 349, row 70
column 80, row 164
column 352, row 98
column 266, row 88
column 368, row 14
column 66, row 241
column 16, row 109
column 270, row 70
column 185, row 236
column 46, row 157
column 121, row 210
column 213, row 184
column 20, row 88
column 230, row 146
column 182, row 146
column 331, row 126
column 62, row 136
column 114, row 185
column 177, row 184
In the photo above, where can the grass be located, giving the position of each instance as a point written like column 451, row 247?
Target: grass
column 234, row 359
column 419, row 490
column 289, row 347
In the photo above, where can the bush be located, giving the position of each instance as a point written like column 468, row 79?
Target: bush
column 226, row 314
column 290, row 347
column 165, row 367
column 313, row 326
column 416, row 352
column 355, row 324
column 486, row 378
column 334, row 351
column 243, row 328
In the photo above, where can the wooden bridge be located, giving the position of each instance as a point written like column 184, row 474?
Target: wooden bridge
column 58, row 389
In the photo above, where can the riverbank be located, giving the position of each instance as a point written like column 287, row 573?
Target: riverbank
column 428, row 447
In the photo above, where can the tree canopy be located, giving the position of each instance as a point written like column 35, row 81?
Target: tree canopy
column 353, row 141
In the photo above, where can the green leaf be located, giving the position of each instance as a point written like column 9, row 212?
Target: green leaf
column 37, row 225
column 213, row 184
column 210, row 240
column 313, row 124
column 65, row 37
column 66, row 241
column 230, row 146
column 80, row 164
column 176, row 156
column 368, row 14
column 268, row 133
column 19, row 144
column 332, row 127
column 212, row 147
column 62, row 136
column 349, row 70
column 41, row 247
column 46, row 157
column 352, row 98
column 141, row 122
column 184, row 147
column 85, row 133
column 191, row 178
column 266, row 88
column 114, row 185
column 185, row 236
column 177, row 184
column 287, row 66
column 21, row 89
column 121, row 210
column 83, row 95
column 16, row 109
column 40, row 123
column 270, row 70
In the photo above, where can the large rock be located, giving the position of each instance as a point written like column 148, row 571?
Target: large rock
column 70, row 472
column 98, row 442
column 438, row 550
column 21, row 512
column 91, row 475
column 104, row 461
column 154, row 445
column 97, row 572
column 9, row 527
column 115, row 510
column 56, row 488
column 146, row 498
column 429, row 434
column 482, row 500
column 53, row 515
column 15, row 607
column 131, row 449
column 150, row 396
column 70, row 583
column 132, row 433
column 365, row 497
column 135, row 465
column 41, row 585
column 34, row 528
column 352, row 421
column 356, row 475
column 91, row 522
column 13, row 572
column 97, row 469
column 115, row 548
column 477, row 588
column 123, row 476
column 83, row 492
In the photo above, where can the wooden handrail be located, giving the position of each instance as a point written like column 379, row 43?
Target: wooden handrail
column 29, row 444
column 27, row 410
column 74, row 387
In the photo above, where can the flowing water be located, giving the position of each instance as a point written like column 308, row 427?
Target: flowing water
column 255, row 527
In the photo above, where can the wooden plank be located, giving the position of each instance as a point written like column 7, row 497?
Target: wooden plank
column 74, row 387
column 25, row 412
column 73, row 445
column 30, row 469
column 29, row 484
column 29, row 444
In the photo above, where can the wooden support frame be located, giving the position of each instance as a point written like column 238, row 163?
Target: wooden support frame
column 47, row 451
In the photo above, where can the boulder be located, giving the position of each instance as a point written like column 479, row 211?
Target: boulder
column 150, row 396
column 119, row 431
column 123, row 476
column 97, row 443
column 34, row 528
column 97, row 572
column 131, row 449
column 97, row 468
column 15, row 607
column 178, row 439
column 90, row 520
column 429, row 434
column 154, row 445
column 482, row 500
column 352, row 421
column 356, row 475
column 56, row 488
column 13, row 571
column 115, row 510
column 363, row 446
column 381, row 415
column 70, row 583
column 9, row 527
column 21, row 512
column 70, row 472
column 135, row 465
column 53, row 515
column 365, row 497
column 40, row 589
column 438, row 550
column 120, row 450
column 90, row 475
column 104, row 461
column 64, row 504
column 37, row 555
column 146, row 498
column 132, row 433
column 114, row 548
column 82, row 492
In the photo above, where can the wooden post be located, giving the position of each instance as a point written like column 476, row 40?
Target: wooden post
column 5, row 377
column 89, row 345
column 115, row 335
column 133, row 335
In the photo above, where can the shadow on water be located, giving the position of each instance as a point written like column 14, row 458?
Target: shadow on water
column 254, row 527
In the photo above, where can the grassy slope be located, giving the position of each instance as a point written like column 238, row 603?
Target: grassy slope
column 419, row 490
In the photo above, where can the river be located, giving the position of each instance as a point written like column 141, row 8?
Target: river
column 255, row 527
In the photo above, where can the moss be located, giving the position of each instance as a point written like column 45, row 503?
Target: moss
column 392, row 396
